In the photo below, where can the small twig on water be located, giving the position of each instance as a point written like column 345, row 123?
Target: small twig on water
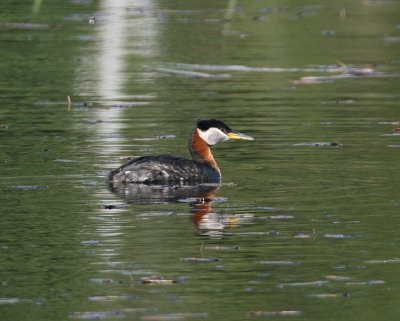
column 69, row 102
column 131, row 277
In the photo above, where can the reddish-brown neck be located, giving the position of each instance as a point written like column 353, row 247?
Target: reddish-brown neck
column 200, row 150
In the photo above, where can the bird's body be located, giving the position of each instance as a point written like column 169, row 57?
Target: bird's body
column 172, row 169
column 164, row 168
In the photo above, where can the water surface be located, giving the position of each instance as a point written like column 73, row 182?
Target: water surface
column 304, row 225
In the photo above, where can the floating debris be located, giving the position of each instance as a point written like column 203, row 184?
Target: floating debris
column 371, row 282
column 348, row 222
column 334, row 277
column 174, row 316
column 166, row 137
column 159, row 282
column 266, row 233
column 233, row 33
column 92, row 20
column 9, row 300
column 243, row 68
column 312, row 80
column 83, row 104
column 106, row 281
column 121, row 105
column 68, row 102
column 389, row 261
column 318, row 144
column 339, row 101
column 98, row 315
column 222, row 248
column 128, row 272
column 301, row 284
column 389, row 38
column 113, row 206
column 302, row 236
column 115, row 313
column 155, row 214
column 331, row 295
column 392, row 134
column 337, row 236
column 346, row 72
column 28, row 187
column 90, row 242
column 111, row 298
column 359, row 72
column 276, row 313
column 394, row 123
column 156, row 279
column 276, row 217
column 328, row 33
column 194, row 74
column 266, row 208
column 201, row 259
column 287, row 263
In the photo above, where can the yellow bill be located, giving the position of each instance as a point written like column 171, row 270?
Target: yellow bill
column 236, row 135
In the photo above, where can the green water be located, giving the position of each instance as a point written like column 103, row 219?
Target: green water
column 305, row 225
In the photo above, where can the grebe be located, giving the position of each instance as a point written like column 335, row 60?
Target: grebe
column 172, row 169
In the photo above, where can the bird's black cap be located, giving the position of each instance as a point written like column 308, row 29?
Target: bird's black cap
column 205, row 124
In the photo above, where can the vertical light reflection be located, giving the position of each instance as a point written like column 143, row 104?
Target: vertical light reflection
column 125, row 29
column 127, row 32
column 113, row 35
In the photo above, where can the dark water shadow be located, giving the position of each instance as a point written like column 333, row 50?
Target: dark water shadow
column 162, row 194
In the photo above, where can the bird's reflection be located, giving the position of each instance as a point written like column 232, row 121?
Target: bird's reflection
column 200, row 198
column 211, row 223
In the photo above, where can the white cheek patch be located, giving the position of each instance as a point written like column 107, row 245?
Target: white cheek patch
column 212, row 136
